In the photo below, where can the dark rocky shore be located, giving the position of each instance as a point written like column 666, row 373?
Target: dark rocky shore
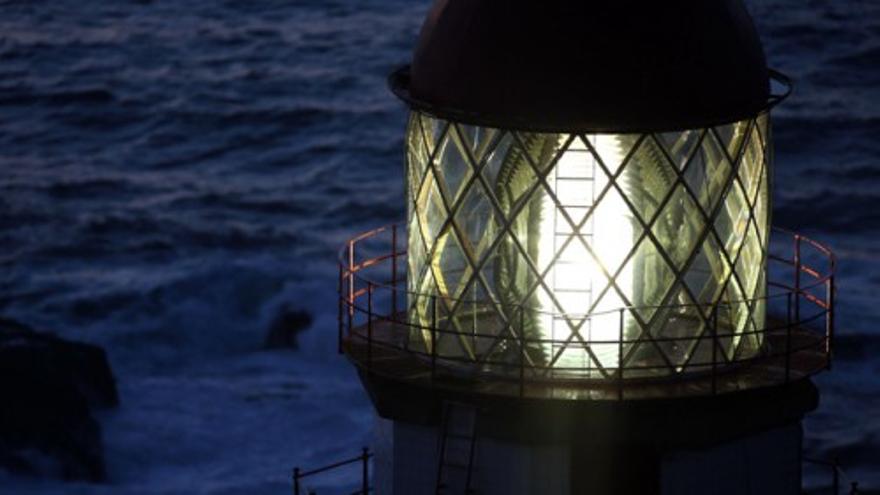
column 49, row 389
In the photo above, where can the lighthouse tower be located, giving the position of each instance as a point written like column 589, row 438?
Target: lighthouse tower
column 588, row 295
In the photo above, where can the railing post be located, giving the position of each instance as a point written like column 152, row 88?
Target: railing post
column 340, row 295
column 296, row 481
column 797, row 279
column 829, row 320
column 854, row 488
column 788, row 339
column 620, row 355
column 365, row 480
column 522, row 351
column 370, row 326
column 350, row 281
column 350, row 298
column 350, row 311
column 433, row 336
column 714, row 319
column 835, row 476
column 394, row 272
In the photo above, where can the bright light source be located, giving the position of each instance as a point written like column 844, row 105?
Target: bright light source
column 578, row 240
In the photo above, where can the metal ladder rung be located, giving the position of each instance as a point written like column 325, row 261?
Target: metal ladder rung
column 455, row 445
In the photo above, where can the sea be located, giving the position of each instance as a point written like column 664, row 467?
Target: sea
column 173, row 175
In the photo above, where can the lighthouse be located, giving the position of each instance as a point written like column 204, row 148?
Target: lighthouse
column 588, row 295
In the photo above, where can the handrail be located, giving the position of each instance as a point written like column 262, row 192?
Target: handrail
column 364, row 458
column 363, row 319
column 351, row 270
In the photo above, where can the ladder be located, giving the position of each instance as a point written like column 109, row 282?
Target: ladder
column 455, row 460
column 574, row 182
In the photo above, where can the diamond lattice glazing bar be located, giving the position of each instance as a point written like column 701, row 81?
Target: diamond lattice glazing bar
column 545, row 237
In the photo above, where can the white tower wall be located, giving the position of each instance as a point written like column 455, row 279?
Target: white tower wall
column 767, row 462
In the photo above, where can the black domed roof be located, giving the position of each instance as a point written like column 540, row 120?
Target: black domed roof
column 588, row 65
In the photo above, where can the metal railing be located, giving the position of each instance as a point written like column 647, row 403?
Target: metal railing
column 372, row 292
column 363, row 459
column 836, row 471
column 833, row 466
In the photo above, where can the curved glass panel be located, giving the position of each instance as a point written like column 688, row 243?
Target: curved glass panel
column 549, row 249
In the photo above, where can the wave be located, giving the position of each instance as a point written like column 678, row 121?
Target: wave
column 88, row 96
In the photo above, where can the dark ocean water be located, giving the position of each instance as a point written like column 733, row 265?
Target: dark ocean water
column 173, row 173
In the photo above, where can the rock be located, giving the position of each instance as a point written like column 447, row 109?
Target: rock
column 49, row 387
column 285, row 327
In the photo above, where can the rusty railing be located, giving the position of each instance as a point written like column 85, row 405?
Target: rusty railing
column 798, row 340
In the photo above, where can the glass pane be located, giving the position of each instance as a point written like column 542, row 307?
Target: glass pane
column 450, row 265
column 416, row 153
column 476, row 221
column 678, row 227
column 456, row 167
column 647, row 179
column 681, row 145
column 708, row 173
column 652, row 278
column 732, row 136
column 430, row 210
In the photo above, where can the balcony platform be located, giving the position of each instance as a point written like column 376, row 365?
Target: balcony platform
column 385, row 355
